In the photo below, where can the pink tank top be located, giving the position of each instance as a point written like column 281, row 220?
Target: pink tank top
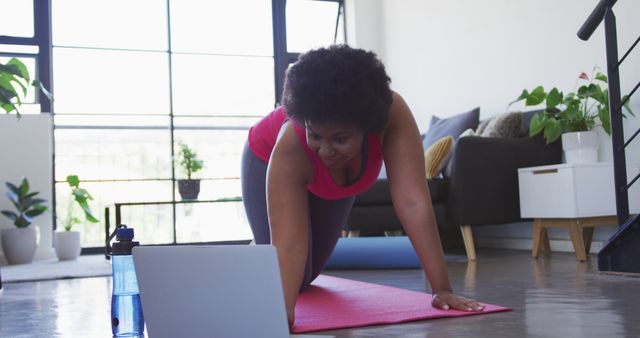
column 262, row 139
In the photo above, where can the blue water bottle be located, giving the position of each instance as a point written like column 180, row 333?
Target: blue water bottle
column 126, row 310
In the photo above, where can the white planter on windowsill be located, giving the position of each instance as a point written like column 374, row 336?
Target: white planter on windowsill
column 580, row 147
column 67, row 245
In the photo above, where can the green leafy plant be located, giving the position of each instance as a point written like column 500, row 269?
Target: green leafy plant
column 14, row 81
column 188, row 160
column 27, row 205
column 580, row 110
column 81, row 197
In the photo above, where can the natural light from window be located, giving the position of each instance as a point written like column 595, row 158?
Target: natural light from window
column 130, row 77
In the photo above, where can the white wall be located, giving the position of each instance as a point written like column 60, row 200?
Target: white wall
column 365, row 25
column 26, row 150
column 448, row 56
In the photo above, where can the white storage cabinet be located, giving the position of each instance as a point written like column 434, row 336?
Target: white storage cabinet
column 573, row 190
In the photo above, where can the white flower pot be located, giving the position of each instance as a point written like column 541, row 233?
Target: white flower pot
column 580, row 147
column 67, row 245
column 19, row 244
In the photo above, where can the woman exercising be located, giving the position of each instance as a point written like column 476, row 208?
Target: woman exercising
column 304, row 163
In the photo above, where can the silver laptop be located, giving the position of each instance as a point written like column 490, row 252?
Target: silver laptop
column 222, row 291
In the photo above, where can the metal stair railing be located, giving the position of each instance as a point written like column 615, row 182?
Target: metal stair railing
column 621, row 254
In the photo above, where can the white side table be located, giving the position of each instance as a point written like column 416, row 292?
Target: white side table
column 578, row 197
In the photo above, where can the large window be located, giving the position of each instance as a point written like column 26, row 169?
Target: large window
column 131, row 79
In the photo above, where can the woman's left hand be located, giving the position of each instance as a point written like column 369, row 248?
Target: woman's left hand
column 446, row 300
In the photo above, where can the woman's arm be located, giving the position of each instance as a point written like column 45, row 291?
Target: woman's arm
column 404, row 161
column 287, row 176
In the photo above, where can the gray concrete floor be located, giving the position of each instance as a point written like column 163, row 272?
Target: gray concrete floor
column 553, row 296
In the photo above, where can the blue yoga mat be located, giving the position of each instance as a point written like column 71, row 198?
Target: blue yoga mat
column 374, row 253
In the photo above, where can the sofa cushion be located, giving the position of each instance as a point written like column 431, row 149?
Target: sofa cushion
column 507, row 125
column 373, row 218
column 449, row 165
column 379, row 193
column 438, row 189
column 436, row 157
column 451, row 126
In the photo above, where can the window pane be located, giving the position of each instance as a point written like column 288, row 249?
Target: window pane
column 157, row 122
column 112, row 154
column 110, row 82
column 341, row 35
column 219, row 149
column 22, row 49
column 210, row 222
column 222, row 27
column 217, row 122
column 139, row 24
column 310, row 24
column 17, row 18
column 153, row 224
column 222, row 85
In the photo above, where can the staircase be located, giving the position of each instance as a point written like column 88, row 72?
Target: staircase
column 621, row 253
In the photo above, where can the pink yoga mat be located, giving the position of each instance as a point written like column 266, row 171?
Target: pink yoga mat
column 336, row 303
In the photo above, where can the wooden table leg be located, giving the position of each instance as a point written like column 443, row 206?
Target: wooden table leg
column 537, row 237
column 580, row 229
column 578, row 240
column 469, row 245
column 587, row 234
column 546, row 246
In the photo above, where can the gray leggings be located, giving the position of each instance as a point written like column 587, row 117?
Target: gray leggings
column 326, row 219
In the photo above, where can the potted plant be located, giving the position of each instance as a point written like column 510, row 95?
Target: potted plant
column 19, row 243
column 67, row 243
column 190, row 163
column 573, row 116
column 14, row 81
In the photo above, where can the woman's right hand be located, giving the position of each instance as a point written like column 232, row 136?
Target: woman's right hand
column 288, row 173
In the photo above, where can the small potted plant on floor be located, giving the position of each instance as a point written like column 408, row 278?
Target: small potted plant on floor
column 67, row 243
column 190, row 163
column 19, row 243
column 573, row 116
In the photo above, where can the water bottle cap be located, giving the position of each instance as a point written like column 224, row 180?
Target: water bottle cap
column 123, row 247
column 124, row 234
column 124, row 242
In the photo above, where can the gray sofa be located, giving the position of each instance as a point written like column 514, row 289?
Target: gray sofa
column 482, row 189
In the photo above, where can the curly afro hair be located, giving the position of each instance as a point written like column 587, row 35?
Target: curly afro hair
column 338, row 84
